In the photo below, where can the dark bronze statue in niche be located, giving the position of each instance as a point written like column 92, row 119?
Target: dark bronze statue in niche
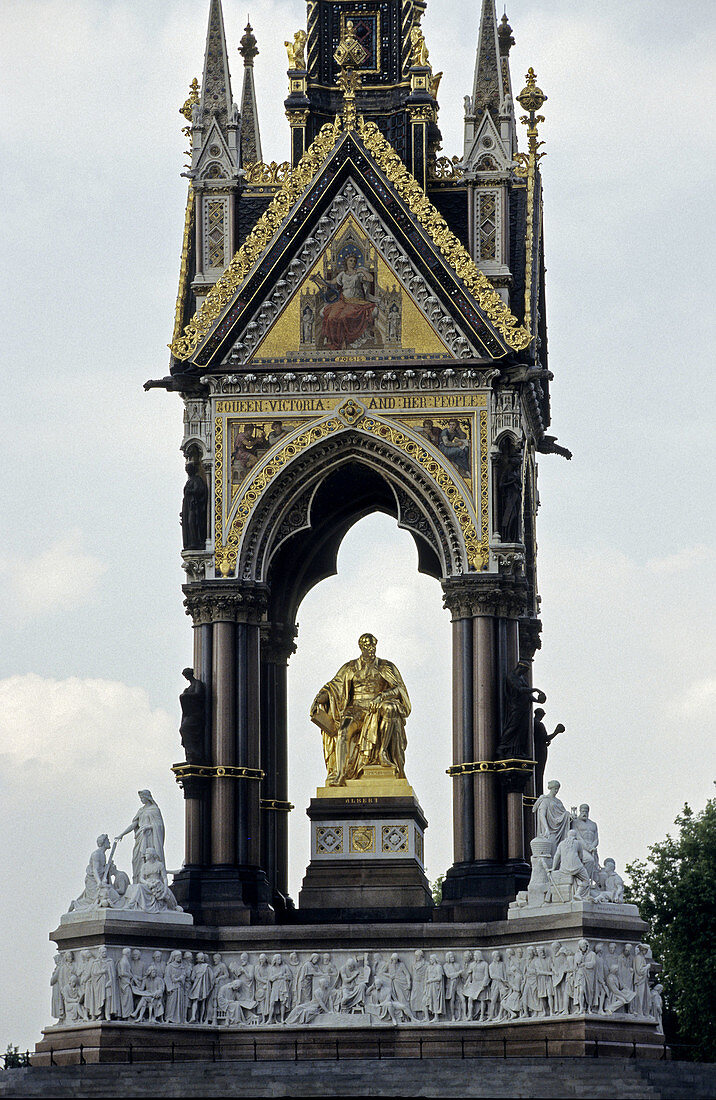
column 193, row 718
column 542, row 741
column 519, row 695
column 193, row 509
column 509, row 491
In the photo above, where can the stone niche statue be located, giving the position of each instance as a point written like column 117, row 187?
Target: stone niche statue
column 193, row 718
column 509, row 492
column 519, row 694
column 194, row 509
column 361, row 713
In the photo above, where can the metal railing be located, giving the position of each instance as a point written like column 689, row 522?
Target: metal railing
column 319, row 1048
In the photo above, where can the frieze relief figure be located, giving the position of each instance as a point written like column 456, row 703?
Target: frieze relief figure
column 361, row 713
column 538, row 981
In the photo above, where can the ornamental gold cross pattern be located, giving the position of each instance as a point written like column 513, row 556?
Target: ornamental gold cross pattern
column 350, row 55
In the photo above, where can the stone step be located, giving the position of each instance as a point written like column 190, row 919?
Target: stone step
column 602, row 1079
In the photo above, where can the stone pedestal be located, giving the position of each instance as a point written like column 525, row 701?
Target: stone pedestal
column 348, row 983
column 367, row 843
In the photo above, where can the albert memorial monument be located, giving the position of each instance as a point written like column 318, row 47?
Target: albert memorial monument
column 359, row 328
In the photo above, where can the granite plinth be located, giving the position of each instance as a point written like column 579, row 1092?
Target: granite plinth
column 614, row 911
column 225, row 895
column 366, row 853
column 124, row 917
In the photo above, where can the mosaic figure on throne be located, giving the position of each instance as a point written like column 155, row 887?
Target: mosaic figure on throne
column 349, row 308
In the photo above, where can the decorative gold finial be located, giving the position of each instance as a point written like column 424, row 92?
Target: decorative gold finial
column 350, row 55
column 530, row 99
column 296, row 50
column 192, row 100
column 187, row 111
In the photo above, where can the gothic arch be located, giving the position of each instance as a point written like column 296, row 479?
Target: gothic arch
column 292, row 538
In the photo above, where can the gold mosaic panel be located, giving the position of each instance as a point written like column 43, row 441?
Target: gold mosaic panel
column 329, row 839
column 419, row 845
column 350, row 307
column 361, row 839
column 394, row 838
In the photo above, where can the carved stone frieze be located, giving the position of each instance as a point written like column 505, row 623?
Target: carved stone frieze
column 495, row 594
column 483, row 986
column 349, row 201
column 373, row 379
column 225, row 601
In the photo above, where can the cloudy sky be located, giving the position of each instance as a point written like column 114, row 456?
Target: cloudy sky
column 94, row 635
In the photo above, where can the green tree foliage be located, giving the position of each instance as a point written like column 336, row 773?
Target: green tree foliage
column 675, row 889
column 436, row 889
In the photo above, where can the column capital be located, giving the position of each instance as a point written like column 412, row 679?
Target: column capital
column 278, row 642
column 225, row 601
column 494, row 594
column 530, row 640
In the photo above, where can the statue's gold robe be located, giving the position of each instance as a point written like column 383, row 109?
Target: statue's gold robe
column 381, row 738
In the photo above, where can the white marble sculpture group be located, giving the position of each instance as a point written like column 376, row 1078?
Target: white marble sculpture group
column 108, row 888
column 565, row 858
column 483, row 987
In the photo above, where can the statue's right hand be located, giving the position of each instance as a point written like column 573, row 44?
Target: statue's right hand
column 321, row 700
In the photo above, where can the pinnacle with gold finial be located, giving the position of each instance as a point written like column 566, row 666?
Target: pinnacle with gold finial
column 350, row 55
column 192, row 100
column 531, row 99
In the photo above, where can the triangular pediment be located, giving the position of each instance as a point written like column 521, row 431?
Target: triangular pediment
column 350, row 182
column 487, row 153
column 351, row 301
column 215, row 158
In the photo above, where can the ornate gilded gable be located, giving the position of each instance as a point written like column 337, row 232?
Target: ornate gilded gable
column 420, row 270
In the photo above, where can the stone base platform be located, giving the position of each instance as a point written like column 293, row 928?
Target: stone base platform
column 408, row 986
column 448, row 1076
column 573, row 1038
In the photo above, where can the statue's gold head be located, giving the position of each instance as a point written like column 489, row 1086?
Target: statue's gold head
column 368, row 644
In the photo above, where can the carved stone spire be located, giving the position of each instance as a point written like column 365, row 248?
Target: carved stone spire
column 486, row 89
column 216, row 99
column 492, row 88
column 250, row 136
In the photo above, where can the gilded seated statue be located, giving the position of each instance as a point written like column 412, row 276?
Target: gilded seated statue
column 361, row 713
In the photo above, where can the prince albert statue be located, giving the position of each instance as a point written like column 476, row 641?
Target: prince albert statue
column 361, row 713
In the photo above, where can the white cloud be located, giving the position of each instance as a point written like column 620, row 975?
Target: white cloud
column 688, row 557
column 62, row 576
column 699, row 699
